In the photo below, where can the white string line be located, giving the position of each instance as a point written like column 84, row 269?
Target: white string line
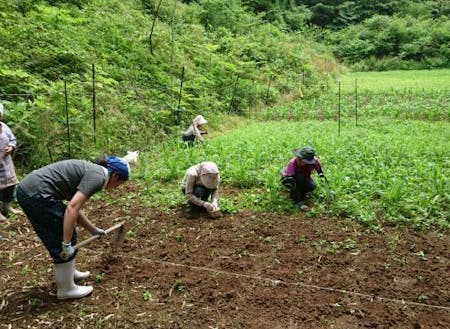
column 276, row 282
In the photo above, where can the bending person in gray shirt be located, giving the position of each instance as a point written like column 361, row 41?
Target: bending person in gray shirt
column 41, row 194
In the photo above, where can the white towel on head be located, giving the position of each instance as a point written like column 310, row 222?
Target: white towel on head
column 131, row 157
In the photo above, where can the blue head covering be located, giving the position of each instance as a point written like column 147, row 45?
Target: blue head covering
column 117, row 166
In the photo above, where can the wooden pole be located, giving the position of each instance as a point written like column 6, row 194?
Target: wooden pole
column 356, row 102
column 67, row 118
column 339, row 109
column 179, row 97
column 94, row 108
column 268, row 88
column 233, row 93
column 155, row 16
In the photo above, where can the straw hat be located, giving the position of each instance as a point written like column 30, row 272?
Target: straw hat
column 306, row 153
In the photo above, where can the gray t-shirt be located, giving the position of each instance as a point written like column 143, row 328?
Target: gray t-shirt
column 61, row 180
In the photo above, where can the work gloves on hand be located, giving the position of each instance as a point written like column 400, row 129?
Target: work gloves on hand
column 67, row 251
column 208, row 206
column 215, row 205
column 211, row 207
column 99, row 231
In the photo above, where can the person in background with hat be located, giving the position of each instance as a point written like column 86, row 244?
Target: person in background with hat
column 297, row 175
column 41, row 194
column 201, row 182
column 194, row 132
column 8, row 178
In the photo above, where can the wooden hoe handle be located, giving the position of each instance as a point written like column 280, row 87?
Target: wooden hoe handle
column 94, row 237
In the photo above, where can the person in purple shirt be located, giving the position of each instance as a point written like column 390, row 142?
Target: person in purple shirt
column 296, row 176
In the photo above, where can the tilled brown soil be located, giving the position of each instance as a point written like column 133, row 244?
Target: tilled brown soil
column 246, row 270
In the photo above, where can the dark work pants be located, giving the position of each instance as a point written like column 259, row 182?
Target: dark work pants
column 7, row 194
column 298, row 186
column 47, row 217
column 189, row 139
column 200, row 192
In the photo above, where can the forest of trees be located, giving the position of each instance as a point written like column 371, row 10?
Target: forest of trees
column 371, row 34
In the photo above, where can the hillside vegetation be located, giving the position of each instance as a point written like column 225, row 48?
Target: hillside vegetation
column 155, row 64
column 371, row 34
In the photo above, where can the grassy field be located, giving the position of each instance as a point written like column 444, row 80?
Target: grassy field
column 417, row 95
column 397, row 80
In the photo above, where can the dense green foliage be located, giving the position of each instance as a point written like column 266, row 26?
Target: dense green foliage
column 339, row 14
column 387, row 43
column 371, row 35
column 384, row 81
column 225, row 58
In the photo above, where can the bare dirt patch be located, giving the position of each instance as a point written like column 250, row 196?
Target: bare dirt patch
column 247, row 270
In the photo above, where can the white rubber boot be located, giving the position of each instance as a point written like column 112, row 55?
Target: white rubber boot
column 77, row 275
column 65, row 285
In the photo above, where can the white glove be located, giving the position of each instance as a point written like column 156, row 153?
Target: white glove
column 208, row 206
column 215, row 205
column 99, row 231
column 67, row 250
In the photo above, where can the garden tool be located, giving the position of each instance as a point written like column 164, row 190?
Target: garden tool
column 330, row 192
column 117, row 237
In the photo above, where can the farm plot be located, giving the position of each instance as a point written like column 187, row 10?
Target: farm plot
column 246, row 270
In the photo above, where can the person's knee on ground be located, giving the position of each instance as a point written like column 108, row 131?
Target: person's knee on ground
column 193, row 211
column 297, row 195
column 288, row 182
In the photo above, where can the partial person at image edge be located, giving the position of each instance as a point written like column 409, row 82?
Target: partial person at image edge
column 8, row 178
column 41, row 194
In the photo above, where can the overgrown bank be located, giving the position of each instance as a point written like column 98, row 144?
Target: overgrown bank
column 154, row 68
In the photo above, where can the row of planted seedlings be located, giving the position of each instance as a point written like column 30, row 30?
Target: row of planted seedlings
column 394, row 172
column 417, row 104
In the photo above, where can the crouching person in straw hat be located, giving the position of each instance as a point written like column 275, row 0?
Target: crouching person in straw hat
column 194, row 131
column 296, row 176
column 41, row 194
column 200, row 183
